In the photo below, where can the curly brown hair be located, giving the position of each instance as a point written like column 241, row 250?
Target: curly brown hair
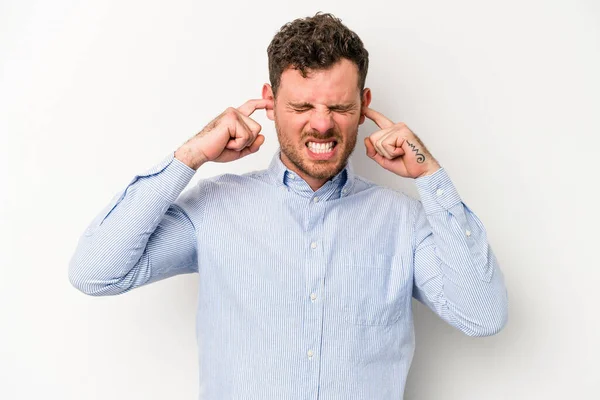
column 314, row 43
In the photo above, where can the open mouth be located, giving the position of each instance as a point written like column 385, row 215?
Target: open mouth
column 324, row 151
column 321, row 148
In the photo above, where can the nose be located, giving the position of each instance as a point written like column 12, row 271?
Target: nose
column 321, row 121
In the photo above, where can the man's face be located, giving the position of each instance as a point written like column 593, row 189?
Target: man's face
column 317, row 119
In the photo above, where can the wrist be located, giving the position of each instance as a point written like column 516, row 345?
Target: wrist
column 190, row 158
column 430, row 171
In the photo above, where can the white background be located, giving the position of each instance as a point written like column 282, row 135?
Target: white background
column 504, row 94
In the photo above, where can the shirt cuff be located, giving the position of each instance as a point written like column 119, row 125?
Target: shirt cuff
column 437, row 192
column 168, row 178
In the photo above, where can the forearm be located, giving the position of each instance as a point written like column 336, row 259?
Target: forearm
column 110, row 256
column 458, row 274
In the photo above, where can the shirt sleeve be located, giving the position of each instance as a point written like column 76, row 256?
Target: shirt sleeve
column 143, row 235
column 456, row 273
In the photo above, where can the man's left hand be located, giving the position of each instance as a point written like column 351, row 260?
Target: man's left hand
column 397, row 149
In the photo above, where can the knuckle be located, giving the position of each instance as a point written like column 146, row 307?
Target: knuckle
column 237, row 145
column 245, row 131
column 230, row 112
column 230, row 117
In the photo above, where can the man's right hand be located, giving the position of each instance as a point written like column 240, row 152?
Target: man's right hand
column 230, row 136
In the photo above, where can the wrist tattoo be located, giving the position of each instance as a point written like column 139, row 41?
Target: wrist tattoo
column 420, row 156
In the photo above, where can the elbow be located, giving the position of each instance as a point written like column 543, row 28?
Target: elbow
column 83, row 271
column 94, row 271
column 492, row 322
column 81, row 280
column 85, row 278
column 82, row 286
column 98, row 279
column 489, row 329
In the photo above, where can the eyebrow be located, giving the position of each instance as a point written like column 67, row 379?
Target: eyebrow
column 346, row 106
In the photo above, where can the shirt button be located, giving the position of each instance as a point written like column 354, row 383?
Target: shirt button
column 313, row 296
column 313, row 245
column 439, row 192
column 316, row 200
column 310, row 353
column 468, row 233
column 283, row 188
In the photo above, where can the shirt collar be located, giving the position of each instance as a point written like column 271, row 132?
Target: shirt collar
column 339, row 186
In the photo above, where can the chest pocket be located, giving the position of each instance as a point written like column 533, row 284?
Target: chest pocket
column 371, row 289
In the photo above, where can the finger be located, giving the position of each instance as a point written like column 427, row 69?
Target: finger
column 380, row 145
column 395, row 151
column 370, row 148
column 372, row 153
column 260, row 139
column 254, row 126
column 241, row 136
column 252, row 129
column 257, row 104
column 374, row 138
column 393, row 147
column 380, row 120
column 236, row 144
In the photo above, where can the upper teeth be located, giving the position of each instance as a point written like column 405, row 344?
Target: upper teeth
column 320, row 146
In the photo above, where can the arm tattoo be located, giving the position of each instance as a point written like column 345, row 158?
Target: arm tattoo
column 420, row 156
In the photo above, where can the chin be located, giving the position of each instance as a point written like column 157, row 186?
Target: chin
column 322, row 169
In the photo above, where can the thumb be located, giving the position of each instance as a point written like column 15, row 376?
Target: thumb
column 374, row 155
column 370, row 148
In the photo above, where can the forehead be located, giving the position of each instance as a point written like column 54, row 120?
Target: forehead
column 337, row 84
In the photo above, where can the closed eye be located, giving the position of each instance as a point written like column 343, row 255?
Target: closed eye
column 301, row 109
column 304, row 107
column 340, row 110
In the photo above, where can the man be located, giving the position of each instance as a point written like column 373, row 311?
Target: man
column 306, row 270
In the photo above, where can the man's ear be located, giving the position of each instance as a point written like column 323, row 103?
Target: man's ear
column 366, row 100
column 267, row 94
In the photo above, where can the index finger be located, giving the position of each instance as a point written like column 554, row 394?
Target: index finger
column 257, row 104
column 381, row 120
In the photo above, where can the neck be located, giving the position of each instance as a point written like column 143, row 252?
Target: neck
column 314, row 183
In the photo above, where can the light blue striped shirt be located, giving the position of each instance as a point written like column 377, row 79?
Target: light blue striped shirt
column 303, row 295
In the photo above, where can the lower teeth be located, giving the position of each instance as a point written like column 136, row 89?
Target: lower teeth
column 321, row 151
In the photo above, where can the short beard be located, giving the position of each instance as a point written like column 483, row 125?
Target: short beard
column 289, row 149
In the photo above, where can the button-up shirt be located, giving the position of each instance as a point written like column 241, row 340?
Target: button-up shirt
column 302, row 294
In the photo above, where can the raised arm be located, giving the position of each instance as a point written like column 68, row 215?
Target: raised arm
column 141, row 236
column 455, row 271
column 145, row 233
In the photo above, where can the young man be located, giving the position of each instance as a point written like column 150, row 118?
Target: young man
column 306, row 269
